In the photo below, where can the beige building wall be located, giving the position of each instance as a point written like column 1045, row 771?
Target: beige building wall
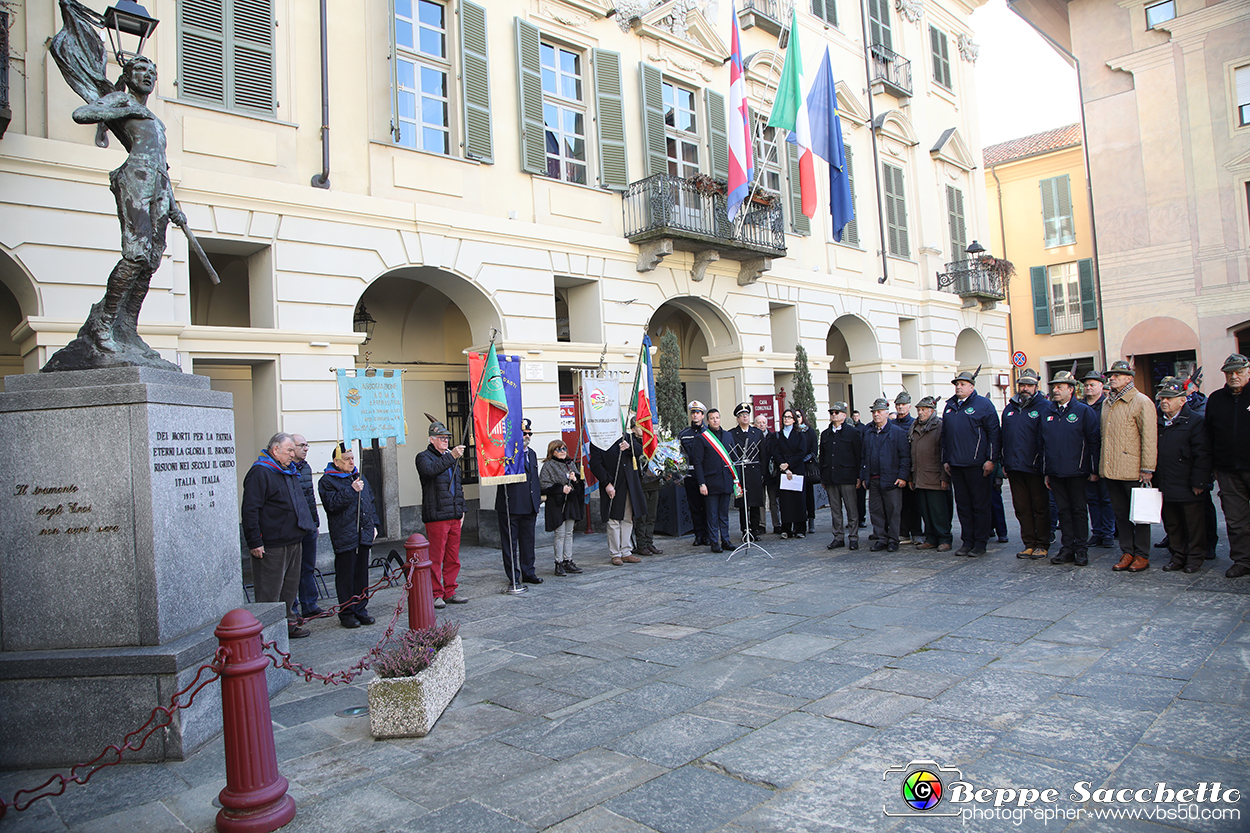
column 1014, row 202
column 446, row 250
column 1170, row 163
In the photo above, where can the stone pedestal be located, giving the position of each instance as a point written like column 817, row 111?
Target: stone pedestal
column 118, row 555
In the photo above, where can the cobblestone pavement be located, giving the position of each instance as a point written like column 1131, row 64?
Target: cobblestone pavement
column 688, row 693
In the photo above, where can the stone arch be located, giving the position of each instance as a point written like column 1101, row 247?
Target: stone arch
column 855, row 361
column 1161, row 334
column 972, row 352
column 401, row 298
column 18, row 280
column 19, row 300
column 895, row 125
column 702, row 330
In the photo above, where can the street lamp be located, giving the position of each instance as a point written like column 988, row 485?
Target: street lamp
column 128, row 18
column 363, row 322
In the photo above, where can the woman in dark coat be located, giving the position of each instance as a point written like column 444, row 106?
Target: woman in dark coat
column 789, row 449
column 811, row 466
column 1183, row 474
column 348, row 502
column 565, row 491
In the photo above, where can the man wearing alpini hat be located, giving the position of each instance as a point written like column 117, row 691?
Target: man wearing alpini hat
column 442, row 511
column 1023, row 416
column 1129, row 452
column 971, row 447
column 1228, row 426
column 1071, row 443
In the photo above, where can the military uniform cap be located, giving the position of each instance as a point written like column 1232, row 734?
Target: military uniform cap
column 881, row 404
column 437, row 429
column 742, row 408
column 1235, row 362
column 1171, row 387
column 903, row 398
column 838, row 406
column 1063, row 377
column 1028, row 376
column 696, row 405
column 927, row 402
column 1094, row 375
column 1121, row 367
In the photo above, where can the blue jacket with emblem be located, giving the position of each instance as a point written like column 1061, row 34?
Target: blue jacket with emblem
column 970, row 432
column 1071, row 440
column 887, row 454
column 1022, row 433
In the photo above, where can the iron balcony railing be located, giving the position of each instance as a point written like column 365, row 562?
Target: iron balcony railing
column 696, row 218
column 891, row 69
column 971, row 279
column 778, row 11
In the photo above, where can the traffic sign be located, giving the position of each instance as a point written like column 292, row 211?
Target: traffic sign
column 1018, row 358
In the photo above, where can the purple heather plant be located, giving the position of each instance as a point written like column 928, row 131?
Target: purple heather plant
column 415, row 650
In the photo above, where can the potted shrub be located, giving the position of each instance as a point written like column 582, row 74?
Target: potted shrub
column 418, row 675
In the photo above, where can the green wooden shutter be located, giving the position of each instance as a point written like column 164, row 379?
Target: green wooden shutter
column 826, row 10
column 879, row 23
column 955, row 217
column 475, row 82
column 718, row 134
column 850, row 234
column 530, row 98
column 1063, row 210
column 895, row 211
column 940, row 48
column 799, row 222
column 251, row 77
column 610, row 119
column 202, row 51
column 1089, row 309
column 1041, row 299
column 656, row 156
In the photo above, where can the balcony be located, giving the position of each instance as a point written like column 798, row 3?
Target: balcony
column 666, row 213
column 769, row 15
column 978, row 280
column 891, row 72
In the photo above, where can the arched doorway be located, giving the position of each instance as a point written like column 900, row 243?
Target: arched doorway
column 854, row 362
column 424, row 321
column 18, row 300
column 1158, row 347
column 702, row 334
column 971, row 352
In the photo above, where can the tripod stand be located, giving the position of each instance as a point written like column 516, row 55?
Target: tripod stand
column 747, row 457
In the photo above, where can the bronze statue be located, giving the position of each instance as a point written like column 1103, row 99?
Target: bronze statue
column 141, row 187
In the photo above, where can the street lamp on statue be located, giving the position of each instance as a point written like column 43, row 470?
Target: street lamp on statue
column 128, row 18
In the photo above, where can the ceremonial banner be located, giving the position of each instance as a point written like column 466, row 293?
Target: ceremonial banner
column 372, row 406
column 601, row 405
column 496, row 381
column 644, row 396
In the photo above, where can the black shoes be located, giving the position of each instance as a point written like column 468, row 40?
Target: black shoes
column 834, row 545
column 1237, row 571
column 1002, row 539
column 877, row 547
column 310, row 612
column 1064, row 557
column 717, row 547
column 964, row 551
column 1163, row 544
column 976, row 551
column 892, row 547
column 811, row 527
column 863, row 524
column 1082, row 559
column 349, row 622
column 1191, row 568
column 560, row 571
column 573, row 569
column 534, row 579
column 365, row 619
column 854, row 545
column 297, row 632
column 1173, row 566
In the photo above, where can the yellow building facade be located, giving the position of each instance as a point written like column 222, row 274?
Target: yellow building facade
column 1037, row 199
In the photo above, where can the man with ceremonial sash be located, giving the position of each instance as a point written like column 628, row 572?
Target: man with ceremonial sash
column 746, row 447
column 717, row 480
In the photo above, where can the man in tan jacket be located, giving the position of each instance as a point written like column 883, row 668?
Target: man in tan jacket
column 1129, row 436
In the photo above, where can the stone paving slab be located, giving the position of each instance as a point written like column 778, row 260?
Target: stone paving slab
column 687, row 694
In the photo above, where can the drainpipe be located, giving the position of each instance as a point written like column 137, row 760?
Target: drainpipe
column 1089, row 182
column 322, row 180
column 876, row 160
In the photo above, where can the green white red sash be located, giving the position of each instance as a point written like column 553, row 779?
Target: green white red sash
column 724, row 455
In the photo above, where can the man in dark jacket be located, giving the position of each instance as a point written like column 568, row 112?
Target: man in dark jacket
column 620, row 492
column 516, row 507
column 886, row 468
column 929, row 481
column 1097, row 497
column 442, row 511
column 1022, row 461
column 1071, row 442
column 841, row 453
column 353, row 521
column 308, row 547
column 275, row 520
column 771, row 487
column 746, row 447
column 713, row 471
column 971, row 447
column 690, row 440
column 1183, row 474
column 1228, row 425
column 910, row 526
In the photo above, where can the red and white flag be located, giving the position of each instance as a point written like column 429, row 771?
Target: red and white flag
column 741, row 156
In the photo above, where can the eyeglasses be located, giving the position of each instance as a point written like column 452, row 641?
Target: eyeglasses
column 302, row 445
column 528, row 433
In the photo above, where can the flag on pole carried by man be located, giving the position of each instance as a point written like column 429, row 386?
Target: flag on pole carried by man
column 826, row 137
column 790, row 114
column 644, row 395
column 741, row 155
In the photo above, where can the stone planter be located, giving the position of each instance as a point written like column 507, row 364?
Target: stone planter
column 408, row 707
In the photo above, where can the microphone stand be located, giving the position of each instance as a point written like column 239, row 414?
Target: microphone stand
column 748, row 457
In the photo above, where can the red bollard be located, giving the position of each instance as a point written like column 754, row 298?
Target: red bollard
column 421, row 593
column 255, row 799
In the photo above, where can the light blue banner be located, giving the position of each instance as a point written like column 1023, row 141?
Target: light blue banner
column 372, row 406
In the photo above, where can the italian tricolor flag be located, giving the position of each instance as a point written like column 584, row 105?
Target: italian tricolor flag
column 790, row 114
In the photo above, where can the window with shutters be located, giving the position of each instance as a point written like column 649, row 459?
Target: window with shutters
column 879, row 24
column 895, row 211
column 1057, row 223
column 767, row 156
column 422, row 70
column 564, row 113
column 226, row 54
column 681, row 130
column 955, row 221
column 1241, row 88
column 1065, row 298
column 826, row 10
column 941, row 57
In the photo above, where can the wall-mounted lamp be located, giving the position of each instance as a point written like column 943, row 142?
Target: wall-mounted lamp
column 363, row 322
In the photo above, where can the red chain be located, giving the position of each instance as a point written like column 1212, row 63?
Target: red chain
column 387, row 580
column 56, row 785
